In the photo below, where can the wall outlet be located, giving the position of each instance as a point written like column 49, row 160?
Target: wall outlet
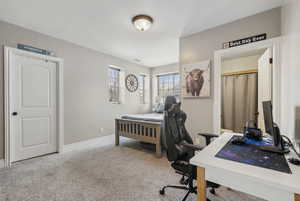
column 101, row 130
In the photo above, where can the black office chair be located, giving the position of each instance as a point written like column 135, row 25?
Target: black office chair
column 180, row 147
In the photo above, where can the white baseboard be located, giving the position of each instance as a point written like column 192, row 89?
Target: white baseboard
column 92, row 143
column 1, row 163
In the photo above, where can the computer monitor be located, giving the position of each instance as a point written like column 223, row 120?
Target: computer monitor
column 269, row 122
column 272, row 129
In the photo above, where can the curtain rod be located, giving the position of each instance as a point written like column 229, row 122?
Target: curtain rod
column 241, row 72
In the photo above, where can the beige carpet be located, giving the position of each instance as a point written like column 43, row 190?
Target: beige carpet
column 125, row 173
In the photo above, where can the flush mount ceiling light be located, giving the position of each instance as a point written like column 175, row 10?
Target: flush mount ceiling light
column 142, row 22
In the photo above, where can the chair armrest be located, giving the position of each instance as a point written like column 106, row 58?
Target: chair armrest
column 208, row 137
column 193, row 147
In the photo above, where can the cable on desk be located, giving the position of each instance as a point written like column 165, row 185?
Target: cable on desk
column 290, row 144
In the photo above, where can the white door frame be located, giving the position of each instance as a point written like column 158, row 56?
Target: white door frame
column 274, row 44
column 8, row 52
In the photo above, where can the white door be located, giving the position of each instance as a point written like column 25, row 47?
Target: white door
column 264, row 84
column 33, row 107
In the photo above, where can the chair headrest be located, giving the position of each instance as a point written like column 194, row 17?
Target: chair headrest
column 171, row 101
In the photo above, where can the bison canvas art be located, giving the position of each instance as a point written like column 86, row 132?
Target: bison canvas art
column 196, row 80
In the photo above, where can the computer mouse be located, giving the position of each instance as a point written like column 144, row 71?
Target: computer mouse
column 294, row 161
column 238, row 141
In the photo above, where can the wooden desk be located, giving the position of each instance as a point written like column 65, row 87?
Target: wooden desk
column 260, row 182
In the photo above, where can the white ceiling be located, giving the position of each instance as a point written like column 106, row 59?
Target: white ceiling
column 105, row 25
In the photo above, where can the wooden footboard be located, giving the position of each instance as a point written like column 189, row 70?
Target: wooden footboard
column 144, row 131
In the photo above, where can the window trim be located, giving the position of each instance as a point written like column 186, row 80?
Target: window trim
column 119, row 84
column 167, row 74
column 144, row 88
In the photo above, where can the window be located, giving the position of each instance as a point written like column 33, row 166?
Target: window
column 114, row 84
column 142, row 88
column 168, row 85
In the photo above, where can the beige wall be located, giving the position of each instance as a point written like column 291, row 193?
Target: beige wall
column 240, row 64
column 165, row 69
column 201, row 46
column 85, row 78
column 290, row 99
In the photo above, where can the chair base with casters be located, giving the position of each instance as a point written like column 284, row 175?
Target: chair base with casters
column 189, row 173
column 190, row 188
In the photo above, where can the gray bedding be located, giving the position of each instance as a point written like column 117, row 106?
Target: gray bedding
column 156, row 117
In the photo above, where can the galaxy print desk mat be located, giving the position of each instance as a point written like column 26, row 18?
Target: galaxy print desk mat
column 252, row 155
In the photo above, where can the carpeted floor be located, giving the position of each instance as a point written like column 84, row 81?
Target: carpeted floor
column 125, row 173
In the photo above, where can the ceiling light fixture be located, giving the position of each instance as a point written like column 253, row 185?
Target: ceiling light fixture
column 142, row 22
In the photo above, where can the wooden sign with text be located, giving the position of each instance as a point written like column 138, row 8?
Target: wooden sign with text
column 251, row 39
column 34, row 49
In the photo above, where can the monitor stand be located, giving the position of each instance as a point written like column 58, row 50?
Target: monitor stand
column 278, row 146
column 274, row 149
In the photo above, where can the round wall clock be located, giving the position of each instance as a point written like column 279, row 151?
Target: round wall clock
column 131, row 82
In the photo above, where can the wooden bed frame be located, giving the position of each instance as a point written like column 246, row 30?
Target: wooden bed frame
column 144, row 131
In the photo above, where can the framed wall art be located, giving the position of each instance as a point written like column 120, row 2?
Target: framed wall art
column 196, row 80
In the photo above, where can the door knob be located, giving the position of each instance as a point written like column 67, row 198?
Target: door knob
column 14, row 113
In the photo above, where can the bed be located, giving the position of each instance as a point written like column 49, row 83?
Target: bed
column 142, row 127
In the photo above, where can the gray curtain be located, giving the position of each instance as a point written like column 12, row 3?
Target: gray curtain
column 239, row 101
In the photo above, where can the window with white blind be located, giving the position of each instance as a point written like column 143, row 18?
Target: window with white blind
column 168, row 85
column 142, row 88
column 114, row 84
